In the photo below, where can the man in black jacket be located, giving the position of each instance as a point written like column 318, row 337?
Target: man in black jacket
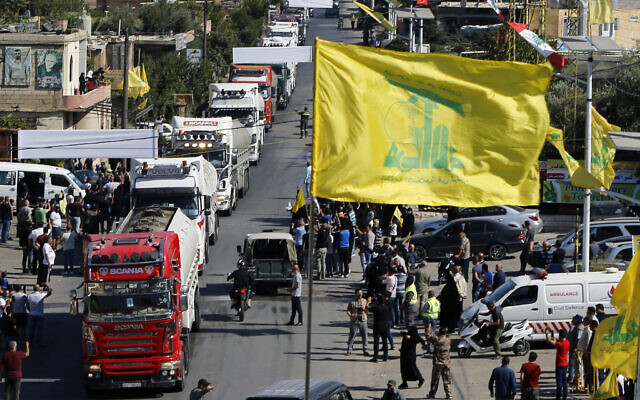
column 381, row 317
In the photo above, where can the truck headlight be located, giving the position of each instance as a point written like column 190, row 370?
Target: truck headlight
column 170, row 365
column 95, row 368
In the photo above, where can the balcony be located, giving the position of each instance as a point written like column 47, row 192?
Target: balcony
column 82, row 102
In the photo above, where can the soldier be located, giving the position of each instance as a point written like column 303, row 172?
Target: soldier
column 304, row 120
column 441, row 363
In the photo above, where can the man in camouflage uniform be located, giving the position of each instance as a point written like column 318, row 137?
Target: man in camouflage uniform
column 441, row 363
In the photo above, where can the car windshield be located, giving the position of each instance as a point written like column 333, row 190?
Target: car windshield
column 75, row 180
column 188, row 205
column 133, row 304
column 498, row 294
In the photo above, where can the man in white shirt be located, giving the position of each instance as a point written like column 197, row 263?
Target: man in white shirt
column 296, row 294
column 69, row 239
column 307, row 180
column 48, row 260
column 35, row 301
column 56, row 226
column 31, row 242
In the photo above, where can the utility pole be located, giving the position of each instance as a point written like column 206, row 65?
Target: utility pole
column 125, row 86
column 586, row 220
column 204, row 39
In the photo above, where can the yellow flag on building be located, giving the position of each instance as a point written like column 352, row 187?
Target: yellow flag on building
column 407, row 128
column 600, row 12
column 299, row 203
column 603, row 151
column 377, row 16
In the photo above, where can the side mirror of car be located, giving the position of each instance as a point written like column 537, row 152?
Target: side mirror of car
column 239, row 249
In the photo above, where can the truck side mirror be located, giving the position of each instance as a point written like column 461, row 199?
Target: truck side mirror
column 234, row 159
column 239, row 249
column 184, row 302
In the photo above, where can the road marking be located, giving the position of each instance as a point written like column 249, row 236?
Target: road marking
column 40, row 380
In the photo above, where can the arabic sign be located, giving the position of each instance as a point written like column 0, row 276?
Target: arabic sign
column 49, row 69
column 17, row 66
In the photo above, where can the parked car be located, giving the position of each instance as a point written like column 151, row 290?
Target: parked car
column 294, row 390
column 493, row 238
column 609, row 209
column 604, row 245
column 618, row 255
column 600, row 230
column 509, row 215
column 86, row 173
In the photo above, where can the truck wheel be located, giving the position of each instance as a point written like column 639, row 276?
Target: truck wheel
column 196, row 310
column 247, row 181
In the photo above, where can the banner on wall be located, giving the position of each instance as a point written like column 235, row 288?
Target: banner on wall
column 17, row 66
column 272, row 55
column 49, row 69
column 311, row 3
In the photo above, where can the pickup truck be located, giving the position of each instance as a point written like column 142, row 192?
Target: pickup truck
column 269, row 256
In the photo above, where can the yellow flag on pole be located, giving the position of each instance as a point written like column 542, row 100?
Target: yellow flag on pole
column 615, row 345
column 137, row 87
column 299, row 203
column 377, row 16
column 398, row 214
column 603, row 151
column 608, row 389
column 600, row 12
column 408, row 128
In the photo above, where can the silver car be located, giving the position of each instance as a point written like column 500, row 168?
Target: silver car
column 513, row 216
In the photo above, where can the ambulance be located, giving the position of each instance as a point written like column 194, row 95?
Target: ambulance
column 550, row 301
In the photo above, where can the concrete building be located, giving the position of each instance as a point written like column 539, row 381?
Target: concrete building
column 41, row 80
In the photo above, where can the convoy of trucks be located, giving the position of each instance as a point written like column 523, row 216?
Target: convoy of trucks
column 264, row 76
column 140, row 301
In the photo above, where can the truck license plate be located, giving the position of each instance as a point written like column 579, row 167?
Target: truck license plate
column 132, row 384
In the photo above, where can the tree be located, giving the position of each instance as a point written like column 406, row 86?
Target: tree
column 12, row 9
column 123, row 15
column 163, row 17
column 56, row 9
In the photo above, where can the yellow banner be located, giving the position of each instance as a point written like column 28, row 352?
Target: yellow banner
column 137, row 86
column 600, row 12
column 407, row 128
column 608, row 389
column 377, row 16
column 578, row 174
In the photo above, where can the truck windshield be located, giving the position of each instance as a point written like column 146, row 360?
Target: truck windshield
column 245, row 116
column 129, row 299
column 188, row 205
column 217, row 158
column 266, row 91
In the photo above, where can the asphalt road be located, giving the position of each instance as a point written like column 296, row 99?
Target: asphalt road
column 241, row 358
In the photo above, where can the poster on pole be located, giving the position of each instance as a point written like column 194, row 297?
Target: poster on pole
column 80, row 143
column 311, row 3
column 272, row 55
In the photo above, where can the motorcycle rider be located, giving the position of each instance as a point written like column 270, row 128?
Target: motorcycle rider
column 242, row 279
column 495, row 327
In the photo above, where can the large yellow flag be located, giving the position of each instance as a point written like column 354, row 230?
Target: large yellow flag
column 137, row 86
column 406, row 128
column 608, row 389
column 600, row 12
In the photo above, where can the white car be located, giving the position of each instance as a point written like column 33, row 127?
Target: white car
column 600, row 230
column 513, row 216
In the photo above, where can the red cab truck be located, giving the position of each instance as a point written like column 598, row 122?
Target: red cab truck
column 140, row 301
column 267, row 82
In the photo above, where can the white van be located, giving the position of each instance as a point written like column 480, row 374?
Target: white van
column 43, row 181
column 550, row 301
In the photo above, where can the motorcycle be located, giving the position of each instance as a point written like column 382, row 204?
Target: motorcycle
column 473, row 337
column 240, row 301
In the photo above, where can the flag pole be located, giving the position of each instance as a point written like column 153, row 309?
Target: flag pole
column 307, row 372
column 586, row 220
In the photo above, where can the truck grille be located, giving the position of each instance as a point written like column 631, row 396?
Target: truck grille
column 134, row 345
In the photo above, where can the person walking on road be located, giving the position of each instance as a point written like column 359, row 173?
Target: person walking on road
column 307, row 180
column 11, row 369
column 322, row 242
column 529, row 378
column 441, row 363
column 562, row 362
column 464, row 253
column 304, row 121
column 408, row 367
column 410, row 304
column 392, row 392
column 430, row 313
column 504, row 380
column 422, row 281
column 35, row 302
column 381, row 317
column 48, row 260
column 527, row 246
column 201, row 390
column 357, row 311
column 296, row 294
